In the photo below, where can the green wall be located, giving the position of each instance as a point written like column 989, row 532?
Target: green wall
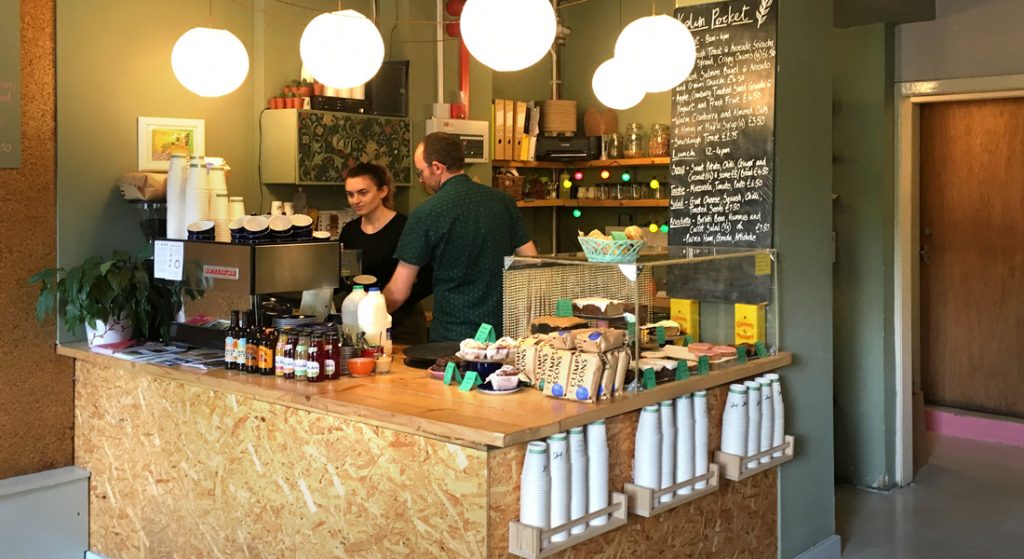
column 863, row 304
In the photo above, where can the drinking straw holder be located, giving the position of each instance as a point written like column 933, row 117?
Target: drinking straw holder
column 736, row 468
column 646, row 502
column 528, row 541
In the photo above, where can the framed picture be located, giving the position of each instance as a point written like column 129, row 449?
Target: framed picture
column 159, row 138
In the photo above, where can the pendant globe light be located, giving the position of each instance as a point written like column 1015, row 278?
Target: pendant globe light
column 659, row 50
column 508, row 35
column 614, row 85
column 341, row 49
column 209, row 62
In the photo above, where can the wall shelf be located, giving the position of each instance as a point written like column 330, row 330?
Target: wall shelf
column 646, row 502
column 735, row 468
column 528, row 541
column 590, row 164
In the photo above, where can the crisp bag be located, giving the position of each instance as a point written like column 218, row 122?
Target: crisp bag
column 585, row 377
column 599, row 340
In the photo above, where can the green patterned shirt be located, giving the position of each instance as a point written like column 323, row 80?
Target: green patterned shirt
column 465, row 231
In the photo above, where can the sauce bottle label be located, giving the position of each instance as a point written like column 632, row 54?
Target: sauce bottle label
column 312, row 370
column 329, row 367
column 265, row 358
column 240, row 347
column 229, row 349
column 289, row 365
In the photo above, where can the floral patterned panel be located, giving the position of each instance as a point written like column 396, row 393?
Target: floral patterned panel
column 330, row 143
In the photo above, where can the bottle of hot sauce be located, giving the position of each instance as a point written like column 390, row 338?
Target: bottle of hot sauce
column 282, row 341
column 289, row 354
column 231, row 343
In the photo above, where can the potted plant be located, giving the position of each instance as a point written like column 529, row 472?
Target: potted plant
column 318, row 88
column 114, row 299
column 305, row 88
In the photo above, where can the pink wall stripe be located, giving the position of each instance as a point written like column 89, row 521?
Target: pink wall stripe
column 975, row 428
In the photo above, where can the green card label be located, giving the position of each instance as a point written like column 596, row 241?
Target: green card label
column 659, row 333
column 649, row 378
column 687, row 340
column 682, row 370
column 703, row 365
column 471, row 381
column 451, row 372
column 741, row 354
column 485, row 334
column 762, row 351
column 563, row 308
column 619, row 236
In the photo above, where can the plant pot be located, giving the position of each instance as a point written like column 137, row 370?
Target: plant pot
column 115, row 331
column 277, row 103
column 304, row 91
column 318, row 88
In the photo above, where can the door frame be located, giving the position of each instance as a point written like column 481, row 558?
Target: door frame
column 909, row 97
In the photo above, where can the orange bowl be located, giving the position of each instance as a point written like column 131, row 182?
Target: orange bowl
column 361, row 366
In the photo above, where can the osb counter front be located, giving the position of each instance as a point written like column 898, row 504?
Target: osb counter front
column 187, row 464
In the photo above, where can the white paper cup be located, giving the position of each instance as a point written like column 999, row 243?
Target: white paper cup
column 668, row 447
column 558, row 447
column 700, row 436
column 753, row 420
column 779, row 413
column 597, row 470
column 578, row 477
column 684, row 442
column 647, row 451
column 535, row 487
column 767, row 416
column 734, row 421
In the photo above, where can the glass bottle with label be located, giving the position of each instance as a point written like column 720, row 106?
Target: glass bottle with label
column 231, row 343
column 301, row 355
column 282, row 341
column 330, row 368
column 242, row 342
column 313, row 360
column 253, row 336
column 289, row 353
column 268, row 344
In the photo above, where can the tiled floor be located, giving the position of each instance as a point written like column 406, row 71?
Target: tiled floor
column 968, row 501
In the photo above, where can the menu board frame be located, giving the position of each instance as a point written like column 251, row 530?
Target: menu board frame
column 10, row 85
column 722, row 171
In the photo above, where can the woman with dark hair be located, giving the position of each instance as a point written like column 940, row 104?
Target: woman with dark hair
column 376, row 232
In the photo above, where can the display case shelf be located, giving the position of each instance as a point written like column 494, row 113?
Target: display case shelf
column 646, row 502
column 528, row 541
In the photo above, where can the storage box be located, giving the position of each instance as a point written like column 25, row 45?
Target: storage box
column 511, row 185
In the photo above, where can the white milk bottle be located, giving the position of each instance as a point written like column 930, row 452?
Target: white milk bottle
column 349, row 312
column 373, row 317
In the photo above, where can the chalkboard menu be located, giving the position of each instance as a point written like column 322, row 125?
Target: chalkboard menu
column 10, row 80
column 723, row 119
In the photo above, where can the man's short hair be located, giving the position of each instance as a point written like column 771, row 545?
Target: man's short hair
column 444, row 148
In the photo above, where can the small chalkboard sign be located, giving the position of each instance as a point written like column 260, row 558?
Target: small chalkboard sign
column 723, row 128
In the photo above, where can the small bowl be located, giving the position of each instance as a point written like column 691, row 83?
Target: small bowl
column 322, row 235
column 256, row 225
column 301, row 221
column 361, row 366
column 280, row 226
column 202, row 227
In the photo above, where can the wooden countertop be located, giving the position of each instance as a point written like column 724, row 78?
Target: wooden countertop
column 410, row 401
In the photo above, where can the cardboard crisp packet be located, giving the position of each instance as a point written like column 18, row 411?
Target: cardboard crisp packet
column 610, row 361
column 526, row 358
column 554, row 376
column 599, row 340
column 585, row 377
column 621, row 371
column 563, row 339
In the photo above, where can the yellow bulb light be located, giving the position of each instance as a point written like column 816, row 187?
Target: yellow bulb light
column 653, row 228
column 567, row 183
column 209, row 62
column 655, row 184
column 341, row 49
column 605, row 174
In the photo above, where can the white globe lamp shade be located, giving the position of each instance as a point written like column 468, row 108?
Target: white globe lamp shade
column 659, row 50
column 209, row 62
column 614, row 85
column 341, row 49
column 508, row 35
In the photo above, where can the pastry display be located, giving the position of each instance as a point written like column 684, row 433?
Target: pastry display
column 599, row 340
column 472, row 350
column 505, row 378
column 549, row 324
column 671, row 327
column 599, row 307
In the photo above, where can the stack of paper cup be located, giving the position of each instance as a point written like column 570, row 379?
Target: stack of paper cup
column 753, row 420
column 597, row 470
column 558, row 451
column 176, row 175
column 535, row 487
column 217, row 180
column 647, row 453
column 779, row 413
column 684, row 442
column 577, row 477
column 668, row 448
column 767, row 416
column 700, row 436
column 197, row 194
column 220, row 218
column 236, row 207
column 734, row 421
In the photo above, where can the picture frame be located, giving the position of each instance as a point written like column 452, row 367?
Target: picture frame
column 160, row 137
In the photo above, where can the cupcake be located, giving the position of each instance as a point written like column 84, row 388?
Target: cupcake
column 505, row 378
column 498, row 351
column 473, row 350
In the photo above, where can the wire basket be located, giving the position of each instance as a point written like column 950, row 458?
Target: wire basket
column 600, row 250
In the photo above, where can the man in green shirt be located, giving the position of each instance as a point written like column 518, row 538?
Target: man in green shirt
column 465, row 230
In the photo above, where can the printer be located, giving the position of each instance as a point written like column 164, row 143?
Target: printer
column 575, row 148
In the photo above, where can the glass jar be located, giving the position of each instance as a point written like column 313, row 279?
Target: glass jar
column 613, row 145
column 658, row 146
column 634, row 145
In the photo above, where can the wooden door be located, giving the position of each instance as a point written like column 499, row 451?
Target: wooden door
column 972, row 269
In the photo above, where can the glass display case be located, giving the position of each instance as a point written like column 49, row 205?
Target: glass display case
column 717, row 297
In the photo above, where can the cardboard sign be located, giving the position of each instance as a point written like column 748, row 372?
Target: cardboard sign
column 703, row 365
column 563, row 308
column 485, row 334
column 682, row 370
column 649, row 381
column 451, row 371
column 471, row 381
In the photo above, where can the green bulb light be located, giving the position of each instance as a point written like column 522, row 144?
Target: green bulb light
column 577, row 213
column 626, row 176
column 664, row 228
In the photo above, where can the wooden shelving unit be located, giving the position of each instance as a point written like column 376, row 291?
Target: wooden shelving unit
column 736, row 468
column 646, row 502
column 528, row 541
column 597, row 163
column 592, row 203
